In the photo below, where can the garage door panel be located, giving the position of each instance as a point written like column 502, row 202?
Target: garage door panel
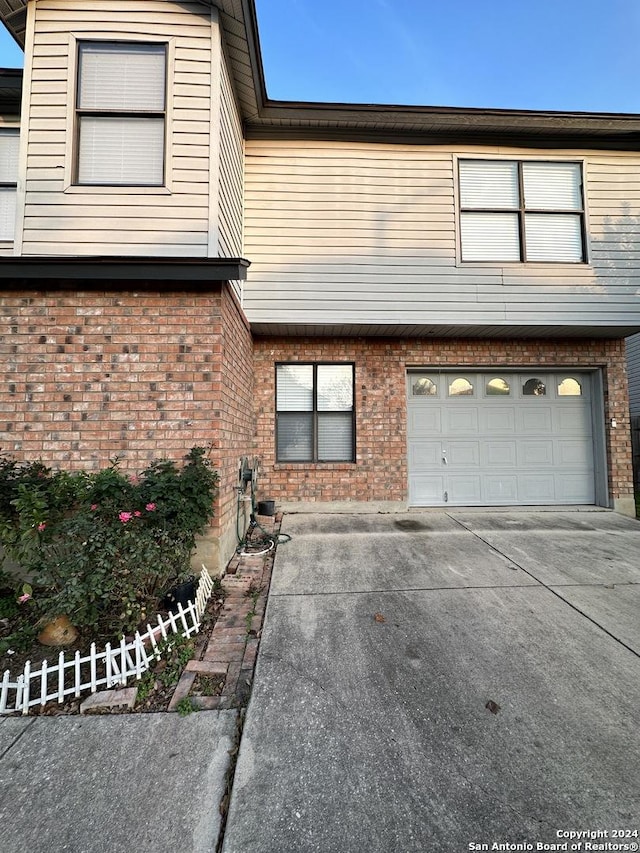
column 427, row 490
column 464, row 489
column 500, row 488
column 575, row 488
column 536, row 420
column 498, row 420
column 572, row 420
column 463, row 454
column 533, row 453
column 536, row 488
column 574, row 452
column 425, row 454
column 459, row 419
column 499, row 454
column 426, row 421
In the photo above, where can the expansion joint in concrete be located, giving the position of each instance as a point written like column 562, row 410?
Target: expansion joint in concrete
column 548, row 587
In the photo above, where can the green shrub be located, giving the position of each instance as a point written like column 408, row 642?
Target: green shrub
column 101, row 547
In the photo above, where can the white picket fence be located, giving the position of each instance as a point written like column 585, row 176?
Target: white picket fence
column 74, row 674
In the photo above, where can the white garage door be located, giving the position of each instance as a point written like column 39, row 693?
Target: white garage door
column 489, row 439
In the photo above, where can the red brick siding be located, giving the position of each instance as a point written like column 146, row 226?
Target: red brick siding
column 380, row 471
column 235, row 417
column 92, row 374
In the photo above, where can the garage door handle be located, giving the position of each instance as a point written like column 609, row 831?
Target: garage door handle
column 444, row 458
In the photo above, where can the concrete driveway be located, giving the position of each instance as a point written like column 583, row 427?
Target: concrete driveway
column 436, row 681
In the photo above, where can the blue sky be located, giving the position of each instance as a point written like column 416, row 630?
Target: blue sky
column 540, row 54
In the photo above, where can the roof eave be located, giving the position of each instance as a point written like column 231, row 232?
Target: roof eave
column 445, row 124
column 13, row 14
column 188, row 271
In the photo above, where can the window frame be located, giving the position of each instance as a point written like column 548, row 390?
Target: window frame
column 522, row 210
column 79, row 112
column 11, row 130
column 314, row 412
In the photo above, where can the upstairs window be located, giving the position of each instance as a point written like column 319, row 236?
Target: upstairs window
column 521, row 211
column 121, row 114
column 9, row 143
column 315, row 413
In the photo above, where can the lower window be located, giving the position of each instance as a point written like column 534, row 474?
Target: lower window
column 315, row 413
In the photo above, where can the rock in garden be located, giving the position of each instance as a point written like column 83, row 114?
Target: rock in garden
column 58, row 632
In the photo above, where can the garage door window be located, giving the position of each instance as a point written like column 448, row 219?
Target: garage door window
column 423, row 386
column 534, row 388
column 497, row 387
column 461, row 387
column 569, row 387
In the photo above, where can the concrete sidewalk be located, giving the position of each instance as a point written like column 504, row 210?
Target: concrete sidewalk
column 431, row 681
column 113, row 784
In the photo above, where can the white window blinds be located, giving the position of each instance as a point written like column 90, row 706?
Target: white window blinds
column 335, row 387
column 489, row 183
column 7, row 213
column 314, row 412
column 295, row 438
column 521, row 211
column 9, row 145
column 490, row 236
column 121, row 76
column 335, row 404
column 121, row 151
column 121, row 103
column 552, row 186
column 335, row 437
column 553, row 237
column 295, row 388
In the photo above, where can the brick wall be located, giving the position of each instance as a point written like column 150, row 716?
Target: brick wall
column 380, row 472
column 235, row 421
column 91, row 374
column 137, row 373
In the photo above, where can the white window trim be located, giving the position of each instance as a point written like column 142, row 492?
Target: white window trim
column 517, row 157
column 72, row 140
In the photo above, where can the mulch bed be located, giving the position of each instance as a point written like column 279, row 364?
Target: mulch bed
column 238, row 605
column 159, row 694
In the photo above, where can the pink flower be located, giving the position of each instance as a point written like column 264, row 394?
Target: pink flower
column 42, row 526
column 125, row 516
column 94, row 507
column 25, row 597
column 150, row 507
column 137, row 513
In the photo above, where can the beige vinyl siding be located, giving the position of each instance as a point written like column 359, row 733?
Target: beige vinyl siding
column 365, row 233
column 67, row 220
column 231, row 167
column 231, row 171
